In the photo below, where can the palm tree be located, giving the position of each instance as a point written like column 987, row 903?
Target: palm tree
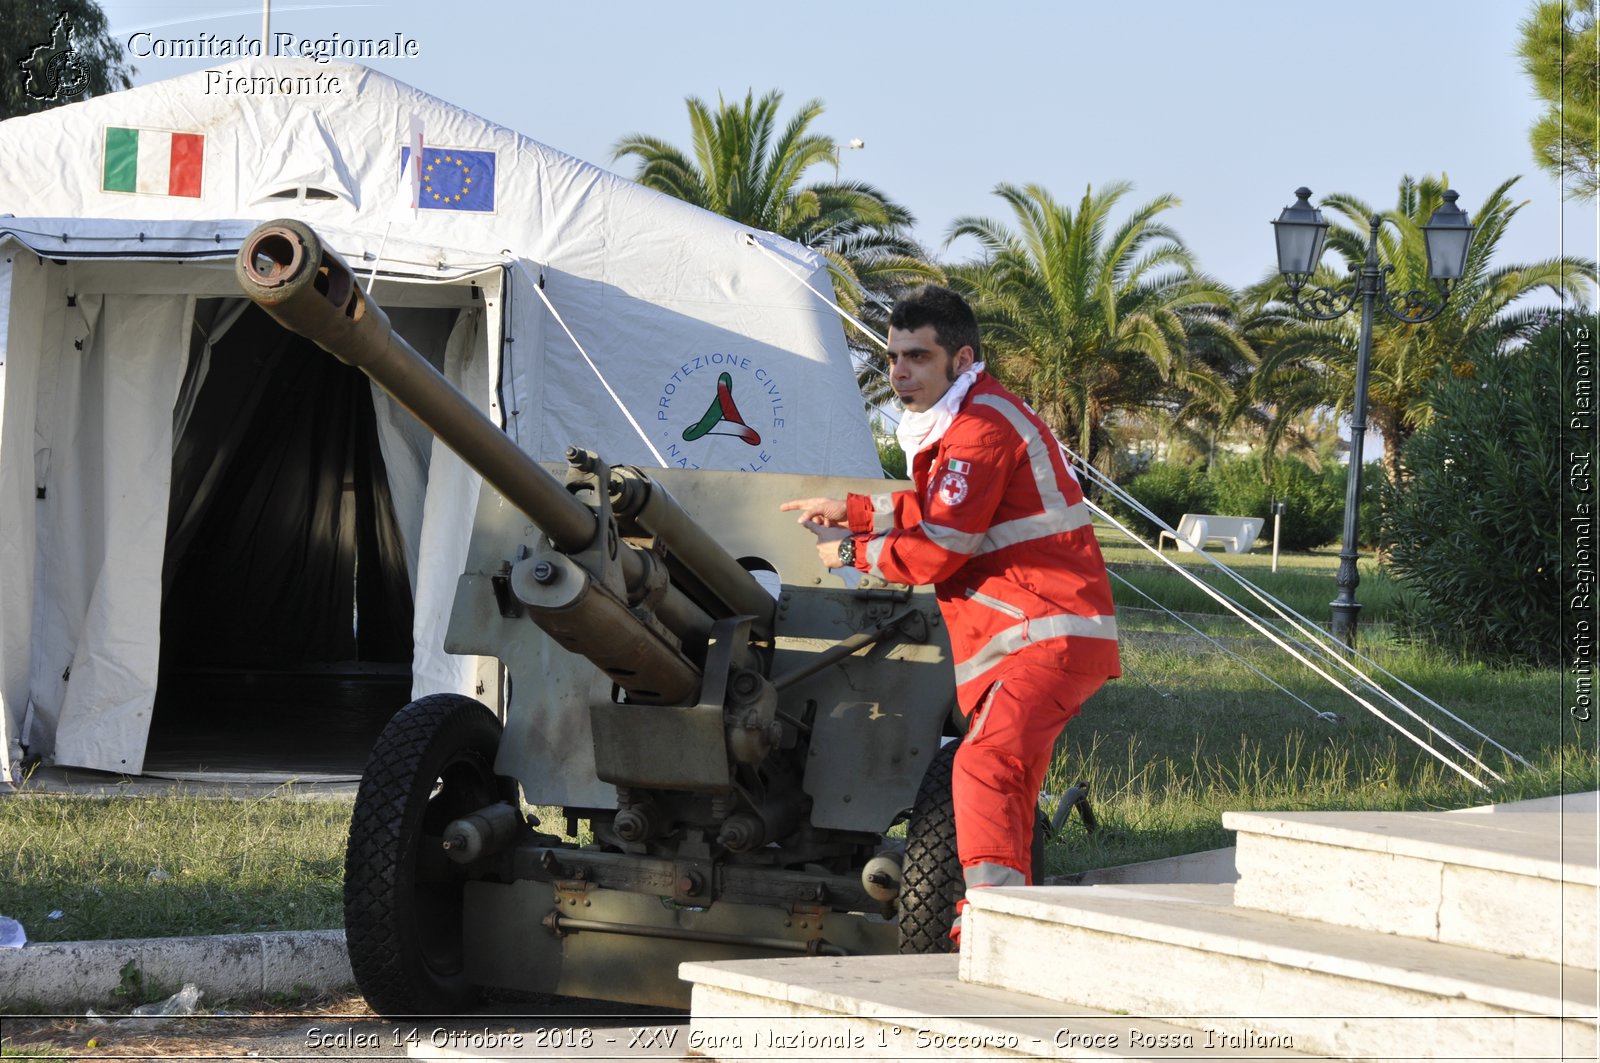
column 1286, row 405
column 744, row 167
column 1314, row 365
column 1085, row 319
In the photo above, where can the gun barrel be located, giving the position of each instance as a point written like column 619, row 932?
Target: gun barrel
column 637, row 497
column 285, row 270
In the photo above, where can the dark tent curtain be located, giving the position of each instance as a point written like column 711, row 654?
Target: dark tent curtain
column 282, row 543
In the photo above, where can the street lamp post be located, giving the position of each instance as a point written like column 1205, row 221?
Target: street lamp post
column 1300, row 232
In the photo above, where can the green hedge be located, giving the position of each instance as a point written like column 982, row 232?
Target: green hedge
column 1314, row 511
column 1313, row 501
column 1474, row 526
column 1170, row 491
column 891, row 457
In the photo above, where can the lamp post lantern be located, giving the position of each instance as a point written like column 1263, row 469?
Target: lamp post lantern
column 1301, row 232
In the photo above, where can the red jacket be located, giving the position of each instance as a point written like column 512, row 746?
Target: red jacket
column 998, row 525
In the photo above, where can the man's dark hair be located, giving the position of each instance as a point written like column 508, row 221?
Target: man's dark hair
column 952, row 319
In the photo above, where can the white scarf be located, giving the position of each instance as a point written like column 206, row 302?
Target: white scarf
column 918, row 431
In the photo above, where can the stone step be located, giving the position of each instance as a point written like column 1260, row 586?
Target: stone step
column 1514, row 885
column 1582, row 801
column 916, row 1007
column 1186, row 954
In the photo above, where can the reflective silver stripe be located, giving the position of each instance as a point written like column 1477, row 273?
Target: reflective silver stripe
column 1039, row 629
column 1025, row 529
column 882, row 511
column 947, row 539
column 875, row 551
column 987, row 874
column 950, row 539
column 1059, row 515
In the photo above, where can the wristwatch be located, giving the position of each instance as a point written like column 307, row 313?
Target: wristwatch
column 847, row 551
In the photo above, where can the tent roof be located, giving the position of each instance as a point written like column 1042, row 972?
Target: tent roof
column 270, row 145
column 345, row 144
column 651, row 287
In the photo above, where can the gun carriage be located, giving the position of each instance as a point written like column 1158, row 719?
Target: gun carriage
column 740, row 750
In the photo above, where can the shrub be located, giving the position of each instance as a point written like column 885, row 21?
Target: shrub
column 1169, row 490
column 1474, row 524
column 1374, row 494
column 1313, row 501
column 891, row 457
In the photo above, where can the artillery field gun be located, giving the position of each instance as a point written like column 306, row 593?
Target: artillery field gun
column 738, row 752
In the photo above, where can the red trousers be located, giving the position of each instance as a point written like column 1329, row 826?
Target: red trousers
column 1000, row 766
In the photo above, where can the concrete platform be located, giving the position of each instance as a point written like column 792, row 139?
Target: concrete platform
column 1213, row 865
column 1584, row 802
column 232, row 785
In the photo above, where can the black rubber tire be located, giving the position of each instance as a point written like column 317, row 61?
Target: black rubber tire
column 1041, row 834
column 931, row 882
column 433, row 763
column 931, row 879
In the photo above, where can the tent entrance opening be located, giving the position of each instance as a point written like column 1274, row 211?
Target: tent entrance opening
column 286, row 613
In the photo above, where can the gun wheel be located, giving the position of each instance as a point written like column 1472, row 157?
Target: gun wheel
column 931, row 878
column 433, row 763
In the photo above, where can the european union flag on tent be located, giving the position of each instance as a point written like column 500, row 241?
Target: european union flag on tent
column 454, row 179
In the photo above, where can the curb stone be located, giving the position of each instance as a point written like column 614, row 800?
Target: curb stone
column 63, row 974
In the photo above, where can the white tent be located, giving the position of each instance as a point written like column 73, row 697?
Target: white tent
column 575, row 306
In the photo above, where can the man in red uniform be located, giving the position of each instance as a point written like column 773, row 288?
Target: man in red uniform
column 998, row 525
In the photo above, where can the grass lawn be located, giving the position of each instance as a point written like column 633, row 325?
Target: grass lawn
column 162, row 866
column 1188, row 733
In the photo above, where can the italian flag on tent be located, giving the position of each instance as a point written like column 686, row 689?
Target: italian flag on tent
column 155, row 162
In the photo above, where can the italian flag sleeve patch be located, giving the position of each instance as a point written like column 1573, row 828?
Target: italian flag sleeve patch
column 153, row 162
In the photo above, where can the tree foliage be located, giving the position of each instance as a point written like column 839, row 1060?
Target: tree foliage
column 79, row 57
column 1313, row 498
column 1475, row 527
column 1085, row 316
column 1309, row 364
column 1560, row 50
column 1168, row 489
column 743, row 166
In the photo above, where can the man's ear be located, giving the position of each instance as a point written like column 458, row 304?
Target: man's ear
column 963, row 360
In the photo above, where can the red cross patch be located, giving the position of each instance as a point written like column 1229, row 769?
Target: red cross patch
column 953, row 488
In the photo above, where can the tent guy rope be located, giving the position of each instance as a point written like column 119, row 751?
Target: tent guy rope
column 538, row 287
column 1292, row 647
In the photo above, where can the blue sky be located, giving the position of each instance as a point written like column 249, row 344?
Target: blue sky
column 1228, row 105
